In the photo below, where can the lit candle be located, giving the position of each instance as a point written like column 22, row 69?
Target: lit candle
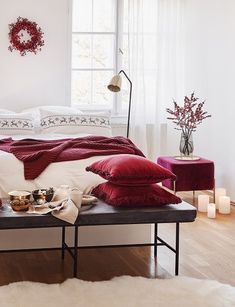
column 203, row 201
column 224, row 204
column 211, row 211
column 219, row 192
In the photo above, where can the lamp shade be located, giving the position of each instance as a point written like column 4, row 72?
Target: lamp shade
column 115, row 84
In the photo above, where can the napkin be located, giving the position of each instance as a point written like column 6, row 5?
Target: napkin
column 64, row 209
column 69, row 212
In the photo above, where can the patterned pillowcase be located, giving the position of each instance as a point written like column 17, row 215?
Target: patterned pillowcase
column 97, row 124
column 16, row 123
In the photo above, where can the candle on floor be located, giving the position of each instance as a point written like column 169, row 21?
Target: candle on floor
column 203, row 201
column 224, row 204
column 211, row 211
column 219, row 192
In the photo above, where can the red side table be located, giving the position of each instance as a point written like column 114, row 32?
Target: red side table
column 192, row 175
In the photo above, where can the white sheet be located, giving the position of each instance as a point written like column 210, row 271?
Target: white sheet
column 72, row 173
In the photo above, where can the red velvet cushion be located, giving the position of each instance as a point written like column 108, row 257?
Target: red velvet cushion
column 130, row 170
column 150, row 195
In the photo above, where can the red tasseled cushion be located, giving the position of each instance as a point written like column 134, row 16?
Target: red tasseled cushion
column 130, row 170
column 150, row 195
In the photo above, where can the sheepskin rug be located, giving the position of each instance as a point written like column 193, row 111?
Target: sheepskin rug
column 122, row 291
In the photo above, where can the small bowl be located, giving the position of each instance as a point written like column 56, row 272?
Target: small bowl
column 43, row 195
column 20, row 200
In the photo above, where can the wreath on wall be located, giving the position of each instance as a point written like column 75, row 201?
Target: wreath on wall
column 25, row 36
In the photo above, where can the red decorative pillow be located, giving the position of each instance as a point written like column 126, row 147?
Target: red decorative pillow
column 130, row 170
column 151, row 195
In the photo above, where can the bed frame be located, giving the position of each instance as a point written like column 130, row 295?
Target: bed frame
column 103, row 214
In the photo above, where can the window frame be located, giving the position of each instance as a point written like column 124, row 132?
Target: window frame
column 116, row 107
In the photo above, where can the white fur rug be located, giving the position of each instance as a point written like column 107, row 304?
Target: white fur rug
column 122, row 291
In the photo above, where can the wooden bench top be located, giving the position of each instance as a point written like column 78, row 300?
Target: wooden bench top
column 101, row 214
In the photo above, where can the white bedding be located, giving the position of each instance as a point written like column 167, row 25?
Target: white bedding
column 72, row 173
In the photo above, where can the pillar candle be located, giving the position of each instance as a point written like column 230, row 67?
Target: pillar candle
column 219, row 192
column 203, row 201
column 211, row 211
column 224, row 204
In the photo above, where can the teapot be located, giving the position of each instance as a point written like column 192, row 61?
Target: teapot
column 65, row 192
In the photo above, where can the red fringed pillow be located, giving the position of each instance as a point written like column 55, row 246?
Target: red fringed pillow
column 130, row 170
column 150, row 195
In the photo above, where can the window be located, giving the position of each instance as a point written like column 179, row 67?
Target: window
column 97, row 37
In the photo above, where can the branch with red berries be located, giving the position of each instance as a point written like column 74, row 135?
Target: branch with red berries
column 189, row 116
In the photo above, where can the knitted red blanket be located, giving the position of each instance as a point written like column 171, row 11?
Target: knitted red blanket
column 38, row 154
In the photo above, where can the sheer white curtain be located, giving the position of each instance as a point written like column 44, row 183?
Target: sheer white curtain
column 156, row 68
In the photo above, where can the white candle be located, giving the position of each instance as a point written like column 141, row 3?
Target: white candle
column 224, row 204
column 219, row 192
column 211, row 211
column 203, row 201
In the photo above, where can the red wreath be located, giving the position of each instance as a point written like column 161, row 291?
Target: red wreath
column 17, row 40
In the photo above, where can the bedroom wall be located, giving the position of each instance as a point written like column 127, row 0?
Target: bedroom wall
column 34, row 80
column 210, row 51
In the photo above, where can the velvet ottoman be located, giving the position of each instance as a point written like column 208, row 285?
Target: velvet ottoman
column 191, row 175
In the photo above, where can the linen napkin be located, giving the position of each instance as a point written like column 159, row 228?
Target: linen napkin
column 64, row 209
column 69, row 212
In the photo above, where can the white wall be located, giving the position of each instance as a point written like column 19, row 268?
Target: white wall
column 210, row 63
column 33, row 80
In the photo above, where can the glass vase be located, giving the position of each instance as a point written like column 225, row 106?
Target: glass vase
column 186, row 145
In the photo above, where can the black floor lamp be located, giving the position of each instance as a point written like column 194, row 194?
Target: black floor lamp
column 115, row 85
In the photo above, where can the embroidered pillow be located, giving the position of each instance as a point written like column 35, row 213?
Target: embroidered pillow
column 150, row 195
column 128, row 169
column 54, row 110
column 96, row 124
column 16, row 123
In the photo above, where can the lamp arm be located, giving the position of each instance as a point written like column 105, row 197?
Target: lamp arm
column 129, row 106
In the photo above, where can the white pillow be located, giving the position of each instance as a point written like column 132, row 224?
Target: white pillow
column 56, row 110
column 89, row 123
column 16, row 123
column 5, row 111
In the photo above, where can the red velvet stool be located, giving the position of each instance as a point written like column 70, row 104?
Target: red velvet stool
column 192, row 175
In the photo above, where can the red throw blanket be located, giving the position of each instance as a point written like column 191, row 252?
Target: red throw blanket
column 38, row 154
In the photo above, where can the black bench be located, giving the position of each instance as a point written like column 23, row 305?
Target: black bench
column 103, row 214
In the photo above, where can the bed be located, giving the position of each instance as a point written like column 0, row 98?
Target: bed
column 48, row 123
column 72, row 173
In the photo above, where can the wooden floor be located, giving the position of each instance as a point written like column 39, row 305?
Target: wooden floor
column 207, row 250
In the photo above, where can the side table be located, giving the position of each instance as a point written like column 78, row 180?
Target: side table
column 192, row 175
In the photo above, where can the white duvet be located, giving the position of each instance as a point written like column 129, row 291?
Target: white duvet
column 72, row 173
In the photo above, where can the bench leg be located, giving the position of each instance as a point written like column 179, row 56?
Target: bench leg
column 75, row 259
column 63, row 243
column 177, row 249
column 155, row 239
